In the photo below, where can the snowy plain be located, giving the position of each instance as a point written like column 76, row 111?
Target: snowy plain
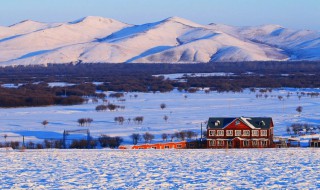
column 186, row 111
column 293, row 168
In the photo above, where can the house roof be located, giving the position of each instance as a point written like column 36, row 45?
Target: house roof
column 252, row 122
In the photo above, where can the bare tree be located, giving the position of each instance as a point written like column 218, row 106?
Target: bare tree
column 307, row 127
column 165, row 118
column 172, row 136
column 119, row 119
column 164, row 136
column 288, row 130
column 138, row 119
column 148, row 137
column 182, row 135
column 101, row 108
column 89, row 121
column 135, row 138
column 81, row 121
column 112, row 107
column 116, row 95
column 177, row 135
column 288, row 95
column 190, row 134
column 5, row 138
column 85, row 121
column 163, row 105
column 95, row 100
column 299, row 110
column 44, row 123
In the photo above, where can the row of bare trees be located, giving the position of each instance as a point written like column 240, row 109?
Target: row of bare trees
column 85, row 121
column 136, row 137
column 296, row 128
column 110, row 142
column 148, row 137
column 137, row 120
column 109, row 106
column 181, row 135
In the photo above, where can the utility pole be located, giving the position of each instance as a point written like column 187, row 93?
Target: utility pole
column 201, row 133
column 88, row 139
column 64, row 139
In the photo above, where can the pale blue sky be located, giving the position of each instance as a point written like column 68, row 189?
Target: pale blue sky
column 299, row 14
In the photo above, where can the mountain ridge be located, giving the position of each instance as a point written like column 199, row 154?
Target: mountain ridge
column 94, row 39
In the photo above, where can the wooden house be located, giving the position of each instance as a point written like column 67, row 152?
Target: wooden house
column 240, row 132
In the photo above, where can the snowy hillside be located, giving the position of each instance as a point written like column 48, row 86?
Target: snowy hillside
column 173, row 40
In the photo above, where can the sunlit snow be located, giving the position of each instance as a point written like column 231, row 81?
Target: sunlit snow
column 293, row 168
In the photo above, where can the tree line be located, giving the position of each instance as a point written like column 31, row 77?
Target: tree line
column 35, row 91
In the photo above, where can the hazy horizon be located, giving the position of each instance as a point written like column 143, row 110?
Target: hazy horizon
column 296, row 14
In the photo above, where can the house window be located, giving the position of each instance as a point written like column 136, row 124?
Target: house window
column 264, row 143
column 217, row 123
column 255, row 133
column 237, row 122
column 245, row 143
column 264, row 133
column 212, row 133
column 212, row 143
column 166, row 147
column 220, row 143
column 154, row 147
column 179, row 146
column 255, row 143
column 229, row 133
column 238, row 133
column 220, row 133
column 246, row 133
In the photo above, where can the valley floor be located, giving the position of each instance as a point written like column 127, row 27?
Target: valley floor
column 185, row 111
column 293, row 168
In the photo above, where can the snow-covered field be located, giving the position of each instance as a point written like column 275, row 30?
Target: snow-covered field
column 184, row 113
column 293, row 168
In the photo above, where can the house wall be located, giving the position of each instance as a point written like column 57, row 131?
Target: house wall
column 235, row 140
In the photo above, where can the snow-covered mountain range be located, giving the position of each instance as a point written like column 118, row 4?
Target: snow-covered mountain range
column 173, row 40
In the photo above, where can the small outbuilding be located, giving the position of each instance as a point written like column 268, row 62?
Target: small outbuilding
column 167, row 145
